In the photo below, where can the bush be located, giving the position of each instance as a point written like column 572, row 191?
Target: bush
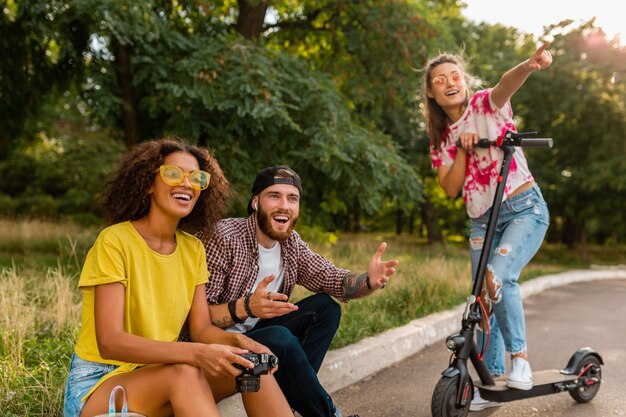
column 86, row 219
column 63, row 171
column 37, row 205
column 78, row 200
column 7, row 206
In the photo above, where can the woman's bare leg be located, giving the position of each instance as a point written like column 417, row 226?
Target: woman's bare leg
column 269, row 401
column 158, row 390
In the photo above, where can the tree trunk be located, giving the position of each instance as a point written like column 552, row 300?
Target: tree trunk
column 575, row 236
column 251, row 17
column 399, row 221
column 429, row 219
column 583, row 250
column 412, row 222
column 130, row 110
column 357, row 226
column 353, row 220
column 571, row 231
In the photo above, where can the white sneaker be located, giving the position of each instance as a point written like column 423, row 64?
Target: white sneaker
column 521, row 376
column 479, row 403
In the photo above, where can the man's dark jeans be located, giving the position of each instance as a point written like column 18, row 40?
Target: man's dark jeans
column 300, row 340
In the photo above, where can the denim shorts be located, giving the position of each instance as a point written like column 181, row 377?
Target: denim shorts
column 82, row 378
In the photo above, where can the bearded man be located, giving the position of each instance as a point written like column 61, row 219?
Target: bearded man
column 255, row 263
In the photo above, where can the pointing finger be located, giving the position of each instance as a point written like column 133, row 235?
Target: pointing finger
column 542, row 48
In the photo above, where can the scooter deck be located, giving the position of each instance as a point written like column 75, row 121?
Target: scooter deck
column 543, row 384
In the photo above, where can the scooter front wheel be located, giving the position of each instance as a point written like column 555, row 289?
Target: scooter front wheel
column 590, row 368
column 443, row 403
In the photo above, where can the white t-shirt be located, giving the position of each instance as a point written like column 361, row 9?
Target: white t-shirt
column 483, row 117
column 270, row 263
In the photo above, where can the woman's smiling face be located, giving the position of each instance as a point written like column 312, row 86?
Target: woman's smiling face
column 176, row 201
column 448, row 88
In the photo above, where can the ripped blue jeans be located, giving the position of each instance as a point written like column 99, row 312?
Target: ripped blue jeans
column 520, row 230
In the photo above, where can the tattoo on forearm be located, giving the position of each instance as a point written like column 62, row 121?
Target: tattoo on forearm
column 224, row 322
column 355, row 285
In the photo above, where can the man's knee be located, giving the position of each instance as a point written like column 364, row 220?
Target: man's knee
column 327, row 309
column 278, row 339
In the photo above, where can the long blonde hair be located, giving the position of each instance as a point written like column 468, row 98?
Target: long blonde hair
column 436, row 117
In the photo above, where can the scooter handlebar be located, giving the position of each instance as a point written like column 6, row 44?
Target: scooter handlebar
column 536, row 142
column 507, row 141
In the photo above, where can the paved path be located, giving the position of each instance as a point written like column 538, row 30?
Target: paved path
column 412, row 357
column 559, row 321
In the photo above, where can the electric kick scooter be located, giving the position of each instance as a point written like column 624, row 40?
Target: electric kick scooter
column 454, row 391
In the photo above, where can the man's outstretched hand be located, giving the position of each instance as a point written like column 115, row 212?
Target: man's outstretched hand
column 269, row 304
column 378, row 270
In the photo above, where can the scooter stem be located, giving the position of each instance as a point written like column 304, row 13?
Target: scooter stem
column 493, row 219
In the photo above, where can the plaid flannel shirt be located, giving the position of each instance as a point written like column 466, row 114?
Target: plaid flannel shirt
column 233, row 261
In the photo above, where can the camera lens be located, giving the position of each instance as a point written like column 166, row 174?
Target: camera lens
column 248, row 384
column 273, row 361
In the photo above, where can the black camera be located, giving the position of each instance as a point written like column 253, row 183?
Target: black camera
column 250, row 379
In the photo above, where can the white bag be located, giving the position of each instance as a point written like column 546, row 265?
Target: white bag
column 124, row 411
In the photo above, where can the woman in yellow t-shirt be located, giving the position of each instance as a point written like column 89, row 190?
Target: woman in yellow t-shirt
column 143, row 279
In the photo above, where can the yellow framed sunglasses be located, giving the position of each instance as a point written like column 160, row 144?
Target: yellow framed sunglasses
column 173, row 176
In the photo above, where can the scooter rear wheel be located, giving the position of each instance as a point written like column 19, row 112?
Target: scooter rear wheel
column 443, row 403
column 586, row 393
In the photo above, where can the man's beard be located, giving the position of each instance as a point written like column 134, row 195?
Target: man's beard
column 265, row 224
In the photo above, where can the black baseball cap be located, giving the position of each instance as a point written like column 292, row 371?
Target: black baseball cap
column 267, row 177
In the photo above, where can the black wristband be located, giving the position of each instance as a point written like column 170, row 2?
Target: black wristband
column 246, row 305
column 232, row 308
column 367, row 281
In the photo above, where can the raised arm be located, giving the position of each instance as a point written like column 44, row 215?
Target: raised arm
column 514, row 78
column 377, row 276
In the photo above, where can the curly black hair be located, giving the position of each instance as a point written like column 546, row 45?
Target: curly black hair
column 126, row 194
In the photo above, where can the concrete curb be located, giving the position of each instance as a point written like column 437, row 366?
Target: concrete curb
column 348, row 365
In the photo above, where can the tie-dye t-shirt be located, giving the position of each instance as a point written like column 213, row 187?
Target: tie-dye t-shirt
column 483, row 117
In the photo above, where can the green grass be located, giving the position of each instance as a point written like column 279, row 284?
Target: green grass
column 430, row 278
column 38, row 329
column 37, row 243
column 40, row 304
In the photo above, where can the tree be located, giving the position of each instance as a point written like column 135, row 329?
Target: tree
column 372, row 50
column 328, row 86
column 587, row 123
column 41, row 43
column 579, row 101
column 157, row 66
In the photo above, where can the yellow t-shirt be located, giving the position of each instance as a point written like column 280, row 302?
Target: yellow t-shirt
column 159, row 288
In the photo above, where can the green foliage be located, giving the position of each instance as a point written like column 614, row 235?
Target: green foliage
column 255, row 106
column 7, row 206
column 41, row 43
column 581, row 103
column 372, row 50
column 35, row 387
column 61, row 175
column 327, row 86
column 37, row 205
